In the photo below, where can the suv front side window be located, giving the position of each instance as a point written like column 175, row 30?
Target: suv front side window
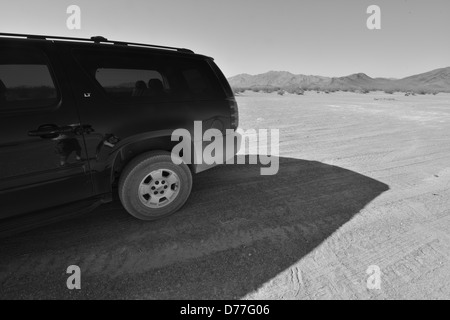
column 25, row 80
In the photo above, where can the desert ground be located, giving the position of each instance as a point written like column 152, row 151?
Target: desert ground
column 364, row 181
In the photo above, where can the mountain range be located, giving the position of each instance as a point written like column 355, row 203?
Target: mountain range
column 433, row 81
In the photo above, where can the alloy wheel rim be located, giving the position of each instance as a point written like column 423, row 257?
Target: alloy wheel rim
column 159, row 188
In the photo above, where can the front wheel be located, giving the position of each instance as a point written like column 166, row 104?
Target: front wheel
column 152, row 186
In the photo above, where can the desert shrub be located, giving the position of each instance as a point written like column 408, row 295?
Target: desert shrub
column 270, row 89
column 264, row 88
column 297, row 91
column 421, row 91
column 238, row 90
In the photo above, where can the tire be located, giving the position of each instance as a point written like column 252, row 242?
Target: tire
column 152, row 187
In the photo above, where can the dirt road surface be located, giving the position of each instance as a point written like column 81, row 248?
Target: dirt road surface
column 364, row 181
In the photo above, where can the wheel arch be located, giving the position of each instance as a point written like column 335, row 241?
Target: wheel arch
column 137, row 145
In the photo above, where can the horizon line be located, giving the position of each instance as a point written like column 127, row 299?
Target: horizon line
column 316, row 75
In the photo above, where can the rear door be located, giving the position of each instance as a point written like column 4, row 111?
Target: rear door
column 43, row 161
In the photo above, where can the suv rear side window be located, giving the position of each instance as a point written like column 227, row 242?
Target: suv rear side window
column 120, row 82
column 25, row 80
column 146, row 77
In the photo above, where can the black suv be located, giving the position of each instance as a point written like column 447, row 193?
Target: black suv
column 79, row 117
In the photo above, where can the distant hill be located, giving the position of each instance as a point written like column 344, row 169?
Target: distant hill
column 433, row 81
column 438, row 79
column 276, row 79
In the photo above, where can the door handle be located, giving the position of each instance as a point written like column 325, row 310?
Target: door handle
column 51, row 131
column 48, row 131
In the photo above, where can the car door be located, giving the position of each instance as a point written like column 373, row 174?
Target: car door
column 43, row 161
column 109, row 100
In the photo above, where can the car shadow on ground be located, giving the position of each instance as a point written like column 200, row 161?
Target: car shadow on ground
column 237, row 232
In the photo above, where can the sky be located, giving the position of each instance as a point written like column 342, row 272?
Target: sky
column 318, row 37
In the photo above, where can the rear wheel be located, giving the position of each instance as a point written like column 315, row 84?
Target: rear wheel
column 152, row 186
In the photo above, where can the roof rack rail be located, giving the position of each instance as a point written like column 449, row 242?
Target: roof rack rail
column 96, row 39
